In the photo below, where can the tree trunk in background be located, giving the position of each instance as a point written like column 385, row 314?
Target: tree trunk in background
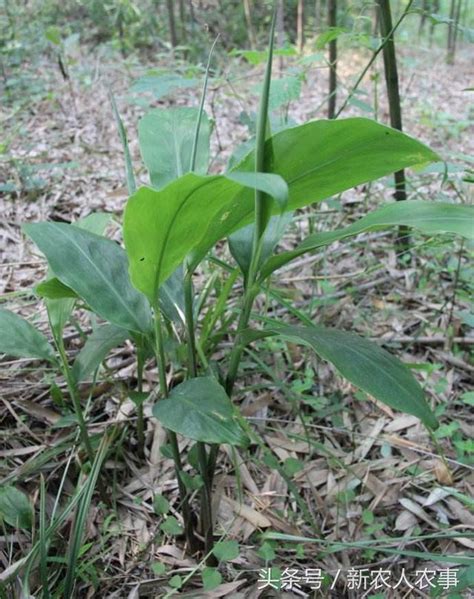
column 376, row 25
column 248, row 19
column 318, row 14
column 300, row 26
column 280, row 27
column 172, row 26
column 464, row 18
column 192, row 17
column 332, row 22
column 457, row 17
column 435, row 9
column 424, row 10
column 182, row 18
column 449, row 54
column 393, row 93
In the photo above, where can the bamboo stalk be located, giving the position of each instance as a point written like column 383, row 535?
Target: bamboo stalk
column 248, row 20
column 171, row 23
column 300, row 26
column 393, row 92
column 332, row 22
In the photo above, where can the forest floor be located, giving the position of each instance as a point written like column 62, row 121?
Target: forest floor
column 364, row 472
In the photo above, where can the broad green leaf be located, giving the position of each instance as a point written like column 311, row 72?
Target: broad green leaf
column 161, row 227
column 240, row 152
column 59, row 313
column 96, row 222
column 54, row 289
column 60, row 301
column 166, row 138
column 317, row 160
column 96, row 269
column 276, row 123
column 267, row 183
column 427, row 217
column 322, row 158
column 20, row 339
column 15, row 507
column 366, row 365
column 96, row 349
column 200, row 409
column 240, row 242
column 59, row 298
column 171, row 296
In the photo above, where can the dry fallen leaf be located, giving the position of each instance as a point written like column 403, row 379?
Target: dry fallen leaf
column 416, row 509
column 405, row 520
column 436, row 495
column 249, row 513
column 442, row 473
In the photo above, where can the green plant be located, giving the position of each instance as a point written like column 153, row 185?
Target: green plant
column 145, row 291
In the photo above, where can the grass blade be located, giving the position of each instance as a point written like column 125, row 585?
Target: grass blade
column 80, row 521
column 131, row 185
column 379, row 545
column 43, row 541
column 263, row 204
column 201, row 107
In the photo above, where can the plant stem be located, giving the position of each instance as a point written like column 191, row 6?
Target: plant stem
column 189, row 318
column 72, row 388
column 206, row 503
column 140, row 419
column 236, row 355
column 206, row 494
column 453, row 295
column 237, row 349
column 263, row 206
column 234, row 360
column 76, row 402
column 161, row 362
